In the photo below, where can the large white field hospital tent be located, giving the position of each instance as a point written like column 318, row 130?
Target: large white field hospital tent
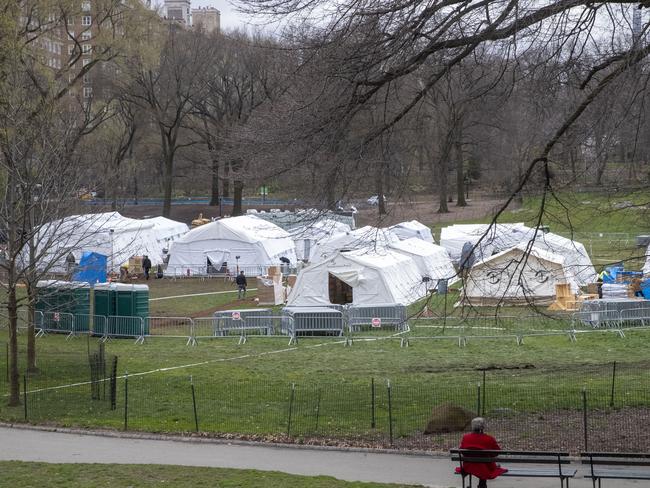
column 365, row 238
column 360, row 277
column 255, row 241
column 432, row 260
column 493, row 239
column 646, row 267
column 413, row 228
column 110, row 234
column 519, row 275
column 307, row 235
column 502, row 237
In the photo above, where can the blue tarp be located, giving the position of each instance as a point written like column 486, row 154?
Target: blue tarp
column 91, row 269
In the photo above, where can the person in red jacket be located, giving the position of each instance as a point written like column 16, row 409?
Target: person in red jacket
column 477, row 439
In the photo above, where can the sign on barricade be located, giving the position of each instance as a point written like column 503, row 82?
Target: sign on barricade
column 376, row 322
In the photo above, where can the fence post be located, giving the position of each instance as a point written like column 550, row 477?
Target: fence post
column 291, row 397
column 584, row 416
column 390, row 414
column 25, row 394
column 483, row 399
column 372, row 400
column 126, row 400
column 478, row 399
column 317, row 410
column 611, row 400
column 196, row 418
column 7, row 359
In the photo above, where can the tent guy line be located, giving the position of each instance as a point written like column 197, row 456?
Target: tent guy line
column 199, row 294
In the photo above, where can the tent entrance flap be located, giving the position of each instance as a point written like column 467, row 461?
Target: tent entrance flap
column 217, row 261
column 340, row 292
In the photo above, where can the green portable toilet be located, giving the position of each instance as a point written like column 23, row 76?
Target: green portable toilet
column 73, row 298
column 122, row 300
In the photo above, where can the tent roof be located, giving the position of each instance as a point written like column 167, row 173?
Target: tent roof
column 539, row 253
column 319, row 229
column 246, row 228
column 414, row 245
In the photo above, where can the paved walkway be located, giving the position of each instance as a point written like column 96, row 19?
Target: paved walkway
column 57, row 447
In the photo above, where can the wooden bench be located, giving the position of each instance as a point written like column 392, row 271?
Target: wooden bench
column 616, row 466
column 556, row 463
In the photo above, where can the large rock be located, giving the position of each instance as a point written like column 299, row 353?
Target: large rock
column 448, row 418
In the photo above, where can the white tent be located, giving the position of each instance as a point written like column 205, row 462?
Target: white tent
column 493, row 239
column 366, row 238
column 575, row 255
column 413, row 228
column 646, row 267
column 370, row 277
column 246, row 241
column 517, row 276
column 305, row 237
column 432, row 260
column 109, row 233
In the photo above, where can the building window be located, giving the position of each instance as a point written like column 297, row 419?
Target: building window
column 85, row 6
column 71, row 48
column 86, row 62
column 88, row 91
column 71, row 34
column 86, row 35
column 86, row 78
column 86, row 20
column 70, row 20
column 86, row 48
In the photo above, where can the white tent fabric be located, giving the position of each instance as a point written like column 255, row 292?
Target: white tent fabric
column 256, row 242
column 432, row 260
column 576, row 258
column 109, row 233
column 494, row 239
column 646, row 267
column 375, row 277
column 517, row 276
column 305, row 237
column 413, row 228
column 365, row 238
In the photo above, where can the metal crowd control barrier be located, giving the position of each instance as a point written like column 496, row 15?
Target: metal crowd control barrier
column 392, row 315
column 126, row 327
column 306, row 321
column 602, row 319
column 635, row 318
column 57, row 322
column 170, row 327
column 244, row 322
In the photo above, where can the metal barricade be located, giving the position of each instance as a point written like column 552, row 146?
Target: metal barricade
column 311, row 321
column 602, row 319
column 635, row 318
column 86, row 323
column 118, row 326
column 57, row 322
column 169, row 326
column 366, row 317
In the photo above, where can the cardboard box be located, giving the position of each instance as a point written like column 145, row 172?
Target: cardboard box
column 274, row 270
column 291, row 280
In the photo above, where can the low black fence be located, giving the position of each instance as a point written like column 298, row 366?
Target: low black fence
column 602, row 407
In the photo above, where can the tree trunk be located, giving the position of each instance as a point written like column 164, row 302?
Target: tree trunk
column 379, row 188
column 214, row 198
column 225, row 181
column 238, row 190
column 14, row 378
column 31, row 304
column 442, row 185
column 167, row 184
column 460, row 173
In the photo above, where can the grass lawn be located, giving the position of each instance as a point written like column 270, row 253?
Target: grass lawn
column 29, row 475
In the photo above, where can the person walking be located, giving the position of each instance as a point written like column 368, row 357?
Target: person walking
column 241, row 285
column 478, row 439
column 146, row 266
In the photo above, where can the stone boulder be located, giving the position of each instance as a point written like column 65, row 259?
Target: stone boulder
column 448, row 418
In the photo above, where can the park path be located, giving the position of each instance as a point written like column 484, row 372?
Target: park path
column 26, row 444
